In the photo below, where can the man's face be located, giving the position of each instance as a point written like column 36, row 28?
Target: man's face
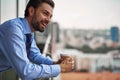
column 41, row 17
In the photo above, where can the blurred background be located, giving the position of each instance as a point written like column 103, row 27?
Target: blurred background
column 87, row 30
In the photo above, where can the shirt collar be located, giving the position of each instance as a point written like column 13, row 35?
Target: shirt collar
column 26, row 26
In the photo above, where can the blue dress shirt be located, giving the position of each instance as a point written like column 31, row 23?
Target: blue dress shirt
column 13, row 52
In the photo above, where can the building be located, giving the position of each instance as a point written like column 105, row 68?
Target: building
column 114, row 33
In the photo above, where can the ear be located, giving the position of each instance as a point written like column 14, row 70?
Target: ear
column 31, row 11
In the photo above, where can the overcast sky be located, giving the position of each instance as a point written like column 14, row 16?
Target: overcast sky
column 87, row 14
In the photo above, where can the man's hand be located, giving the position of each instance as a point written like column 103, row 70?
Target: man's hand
column 67, row 65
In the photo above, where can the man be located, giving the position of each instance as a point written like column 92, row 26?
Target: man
column 18, row 49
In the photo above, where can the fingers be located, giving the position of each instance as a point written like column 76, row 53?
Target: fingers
column 67, row 65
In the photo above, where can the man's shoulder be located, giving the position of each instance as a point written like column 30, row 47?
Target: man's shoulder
column 13, row 21
column 16, row 20
column 13, row 24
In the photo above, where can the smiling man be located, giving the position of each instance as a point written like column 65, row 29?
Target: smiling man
column 18, row 49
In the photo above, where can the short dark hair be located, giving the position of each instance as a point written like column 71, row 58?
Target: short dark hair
column 36, row 4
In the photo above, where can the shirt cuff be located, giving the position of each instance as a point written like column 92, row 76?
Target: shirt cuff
column 55, row 70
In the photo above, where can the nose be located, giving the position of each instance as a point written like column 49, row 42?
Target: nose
column 48, row 19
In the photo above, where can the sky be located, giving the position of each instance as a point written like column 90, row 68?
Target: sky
column 87, row 14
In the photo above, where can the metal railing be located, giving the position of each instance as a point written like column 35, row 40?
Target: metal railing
column 46, row 49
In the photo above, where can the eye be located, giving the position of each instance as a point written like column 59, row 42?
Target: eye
column 46, row 13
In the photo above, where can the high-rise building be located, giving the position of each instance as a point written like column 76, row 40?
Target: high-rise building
column 114, row 33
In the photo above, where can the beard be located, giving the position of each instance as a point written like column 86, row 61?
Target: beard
column 36, row 24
